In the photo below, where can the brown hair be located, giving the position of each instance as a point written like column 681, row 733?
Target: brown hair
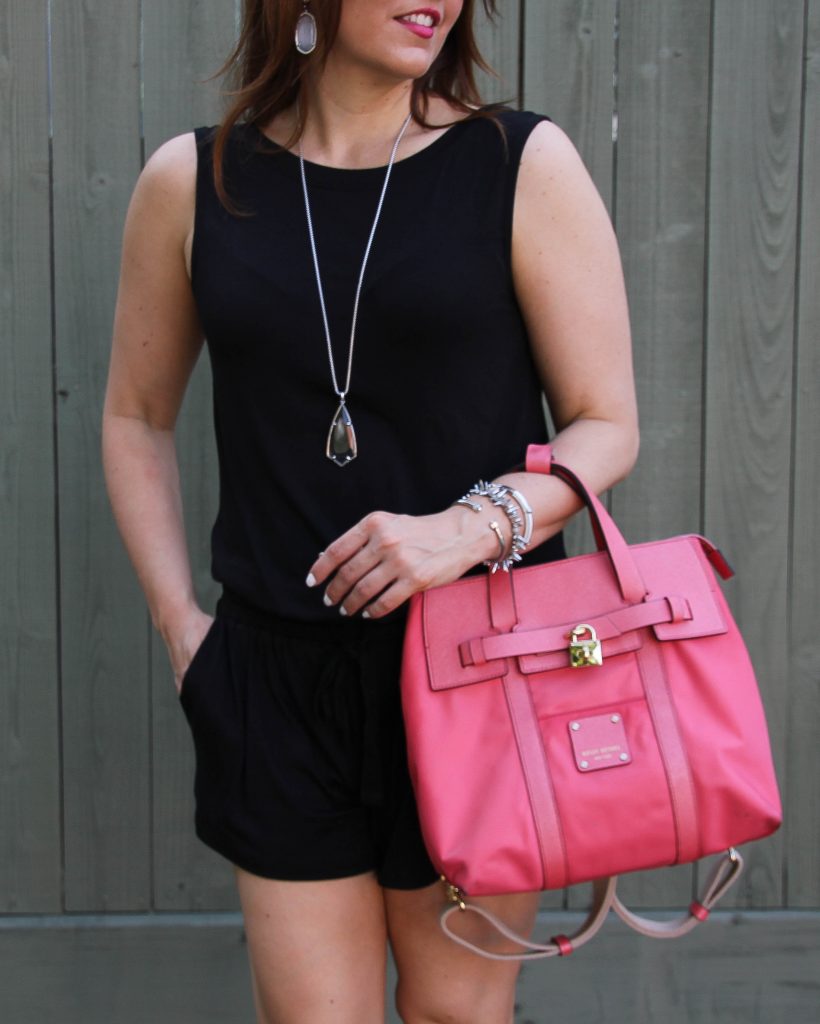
column 266, row 71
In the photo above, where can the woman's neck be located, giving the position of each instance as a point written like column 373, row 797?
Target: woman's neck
column 352, row 125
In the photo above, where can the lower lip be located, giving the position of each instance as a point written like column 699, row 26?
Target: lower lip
column 419, row 30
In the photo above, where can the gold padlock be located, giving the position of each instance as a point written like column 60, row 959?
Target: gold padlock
column 585, row 647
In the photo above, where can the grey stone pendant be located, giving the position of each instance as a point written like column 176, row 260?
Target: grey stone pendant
column 306, row 34
column 341, row 438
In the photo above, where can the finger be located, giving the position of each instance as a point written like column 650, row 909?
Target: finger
column 367, row 589
column 389, row 600
column 346, row 546
column 349, row 575
column 334, row 555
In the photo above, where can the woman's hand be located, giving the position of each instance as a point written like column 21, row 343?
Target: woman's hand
column 185, row 640
column 385, row 558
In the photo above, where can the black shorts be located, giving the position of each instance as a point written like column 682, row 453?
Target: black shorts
column 301, row 765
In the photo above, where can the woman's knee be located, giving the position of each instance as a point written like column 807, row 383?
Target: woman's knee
column 491, row 1004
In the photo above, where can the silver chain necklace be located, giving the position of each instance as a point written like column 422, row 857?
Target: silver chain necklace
column 341, row 445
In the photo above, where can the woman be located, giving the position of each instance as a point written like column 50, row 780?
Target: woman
column 487, row 272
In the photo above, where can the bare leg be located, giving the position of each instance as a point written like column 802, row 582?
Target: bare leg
column 317, row 949
column 439, row 981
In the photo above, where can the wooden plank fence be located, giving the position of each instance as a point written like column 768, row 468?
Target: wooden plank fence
column 699, row 122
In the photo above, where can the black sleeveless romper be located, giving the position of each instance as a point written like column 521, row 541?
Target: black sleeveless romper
column 295, row 713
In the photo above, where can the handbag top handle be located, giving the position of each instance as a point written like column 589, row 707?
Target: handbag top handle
column 607, row 535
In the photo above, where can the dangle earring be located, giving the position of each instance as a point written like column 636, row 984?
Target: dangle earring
column 306, row 33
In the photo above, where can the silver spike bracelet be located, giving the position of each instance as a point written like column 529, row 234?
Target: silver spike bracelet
column 517, row 510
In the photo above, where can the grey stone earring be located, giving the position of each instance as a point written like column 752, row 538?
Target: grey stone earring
column 306, row 33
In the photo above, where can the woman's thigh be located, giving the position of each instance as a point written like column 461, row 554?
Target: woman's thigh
column 440, row 981
column 317, row 949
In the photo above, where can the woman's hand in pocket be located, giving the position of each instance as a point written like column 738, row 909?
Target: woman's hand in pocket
column 185, row 641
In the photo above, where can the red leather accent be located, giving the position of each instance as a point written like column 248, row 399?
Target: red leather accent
column 698, row 910
column 563, row 944
column 719, row 562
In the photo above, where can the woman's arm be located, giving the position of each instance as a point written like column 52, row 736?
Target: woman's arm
column 569, row 284
column 157, row 339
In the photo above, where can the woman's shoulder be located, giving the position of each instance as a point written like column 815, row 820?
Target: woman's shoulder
column 172, row 166
column 166, row 187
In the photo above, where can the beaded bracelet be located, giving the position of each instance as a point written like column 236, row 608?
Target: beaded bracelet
column 517, row 510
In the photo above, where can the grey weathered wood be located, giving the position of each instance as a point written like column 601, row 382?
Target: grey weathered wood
column 183, row 46
column 755, row 134
column 96, row 150
column 30, row 870
column 802, row 778
column 569, row 63
column 660, row 209
column 755, row 968
column 568, row 68
column 663, row 122
column 499, row 45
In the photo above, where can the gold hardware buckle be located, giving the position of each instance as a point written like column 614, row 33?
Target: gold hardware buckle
column 584, row 647
column 454, row 894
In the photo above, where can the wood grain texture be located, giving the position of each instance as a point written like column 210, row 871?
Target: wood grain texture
column 183, row 46
column 802, row 778
column 96, row 150
column 660, row 209
column 568, row 71
column 755, row 133
column 499, row 45
column 30, row 869
column 569, row 64
column 663, row 125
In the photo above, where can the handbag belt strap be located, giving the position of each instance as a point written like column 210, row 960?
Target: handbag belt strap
column 541, row 641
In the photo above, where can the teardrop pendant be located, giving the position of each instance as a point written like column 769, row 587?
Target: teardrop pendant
column 306, row 34
column 341, row 438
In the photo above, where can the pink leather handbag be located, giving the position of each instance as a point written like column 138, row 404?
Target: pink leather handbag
column 572, row 721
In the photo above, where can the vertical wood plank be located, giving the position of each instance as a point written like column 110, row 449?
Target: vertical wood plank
column 660, row 197
column 802, row 779
column 568, row 73
column 499, row 45
column 183, row 45
column 105, row 671
column 569, row 65
column 30, row 869
column 755, row 132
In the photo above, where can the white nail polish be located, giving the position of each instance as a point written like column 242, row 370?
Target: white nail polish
column 342, row 610
column 328, row 602
column 311, row 580
column 365, row 614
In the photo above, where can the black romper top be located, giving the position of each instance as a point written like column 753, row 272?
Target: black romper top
column 444, row 391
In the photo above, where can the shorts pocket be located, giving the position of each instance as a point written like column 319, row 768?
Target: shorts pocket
column 193, row 664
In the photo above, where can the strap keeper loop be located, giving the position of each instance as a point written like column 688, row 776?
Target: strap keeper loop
column 698, row 910
column 564, row 945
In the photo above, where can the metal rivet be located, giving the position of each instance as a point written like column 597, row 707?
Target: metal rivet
column 624, row 757
column 615, row 718
column 585, row 764
column 575, row 726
